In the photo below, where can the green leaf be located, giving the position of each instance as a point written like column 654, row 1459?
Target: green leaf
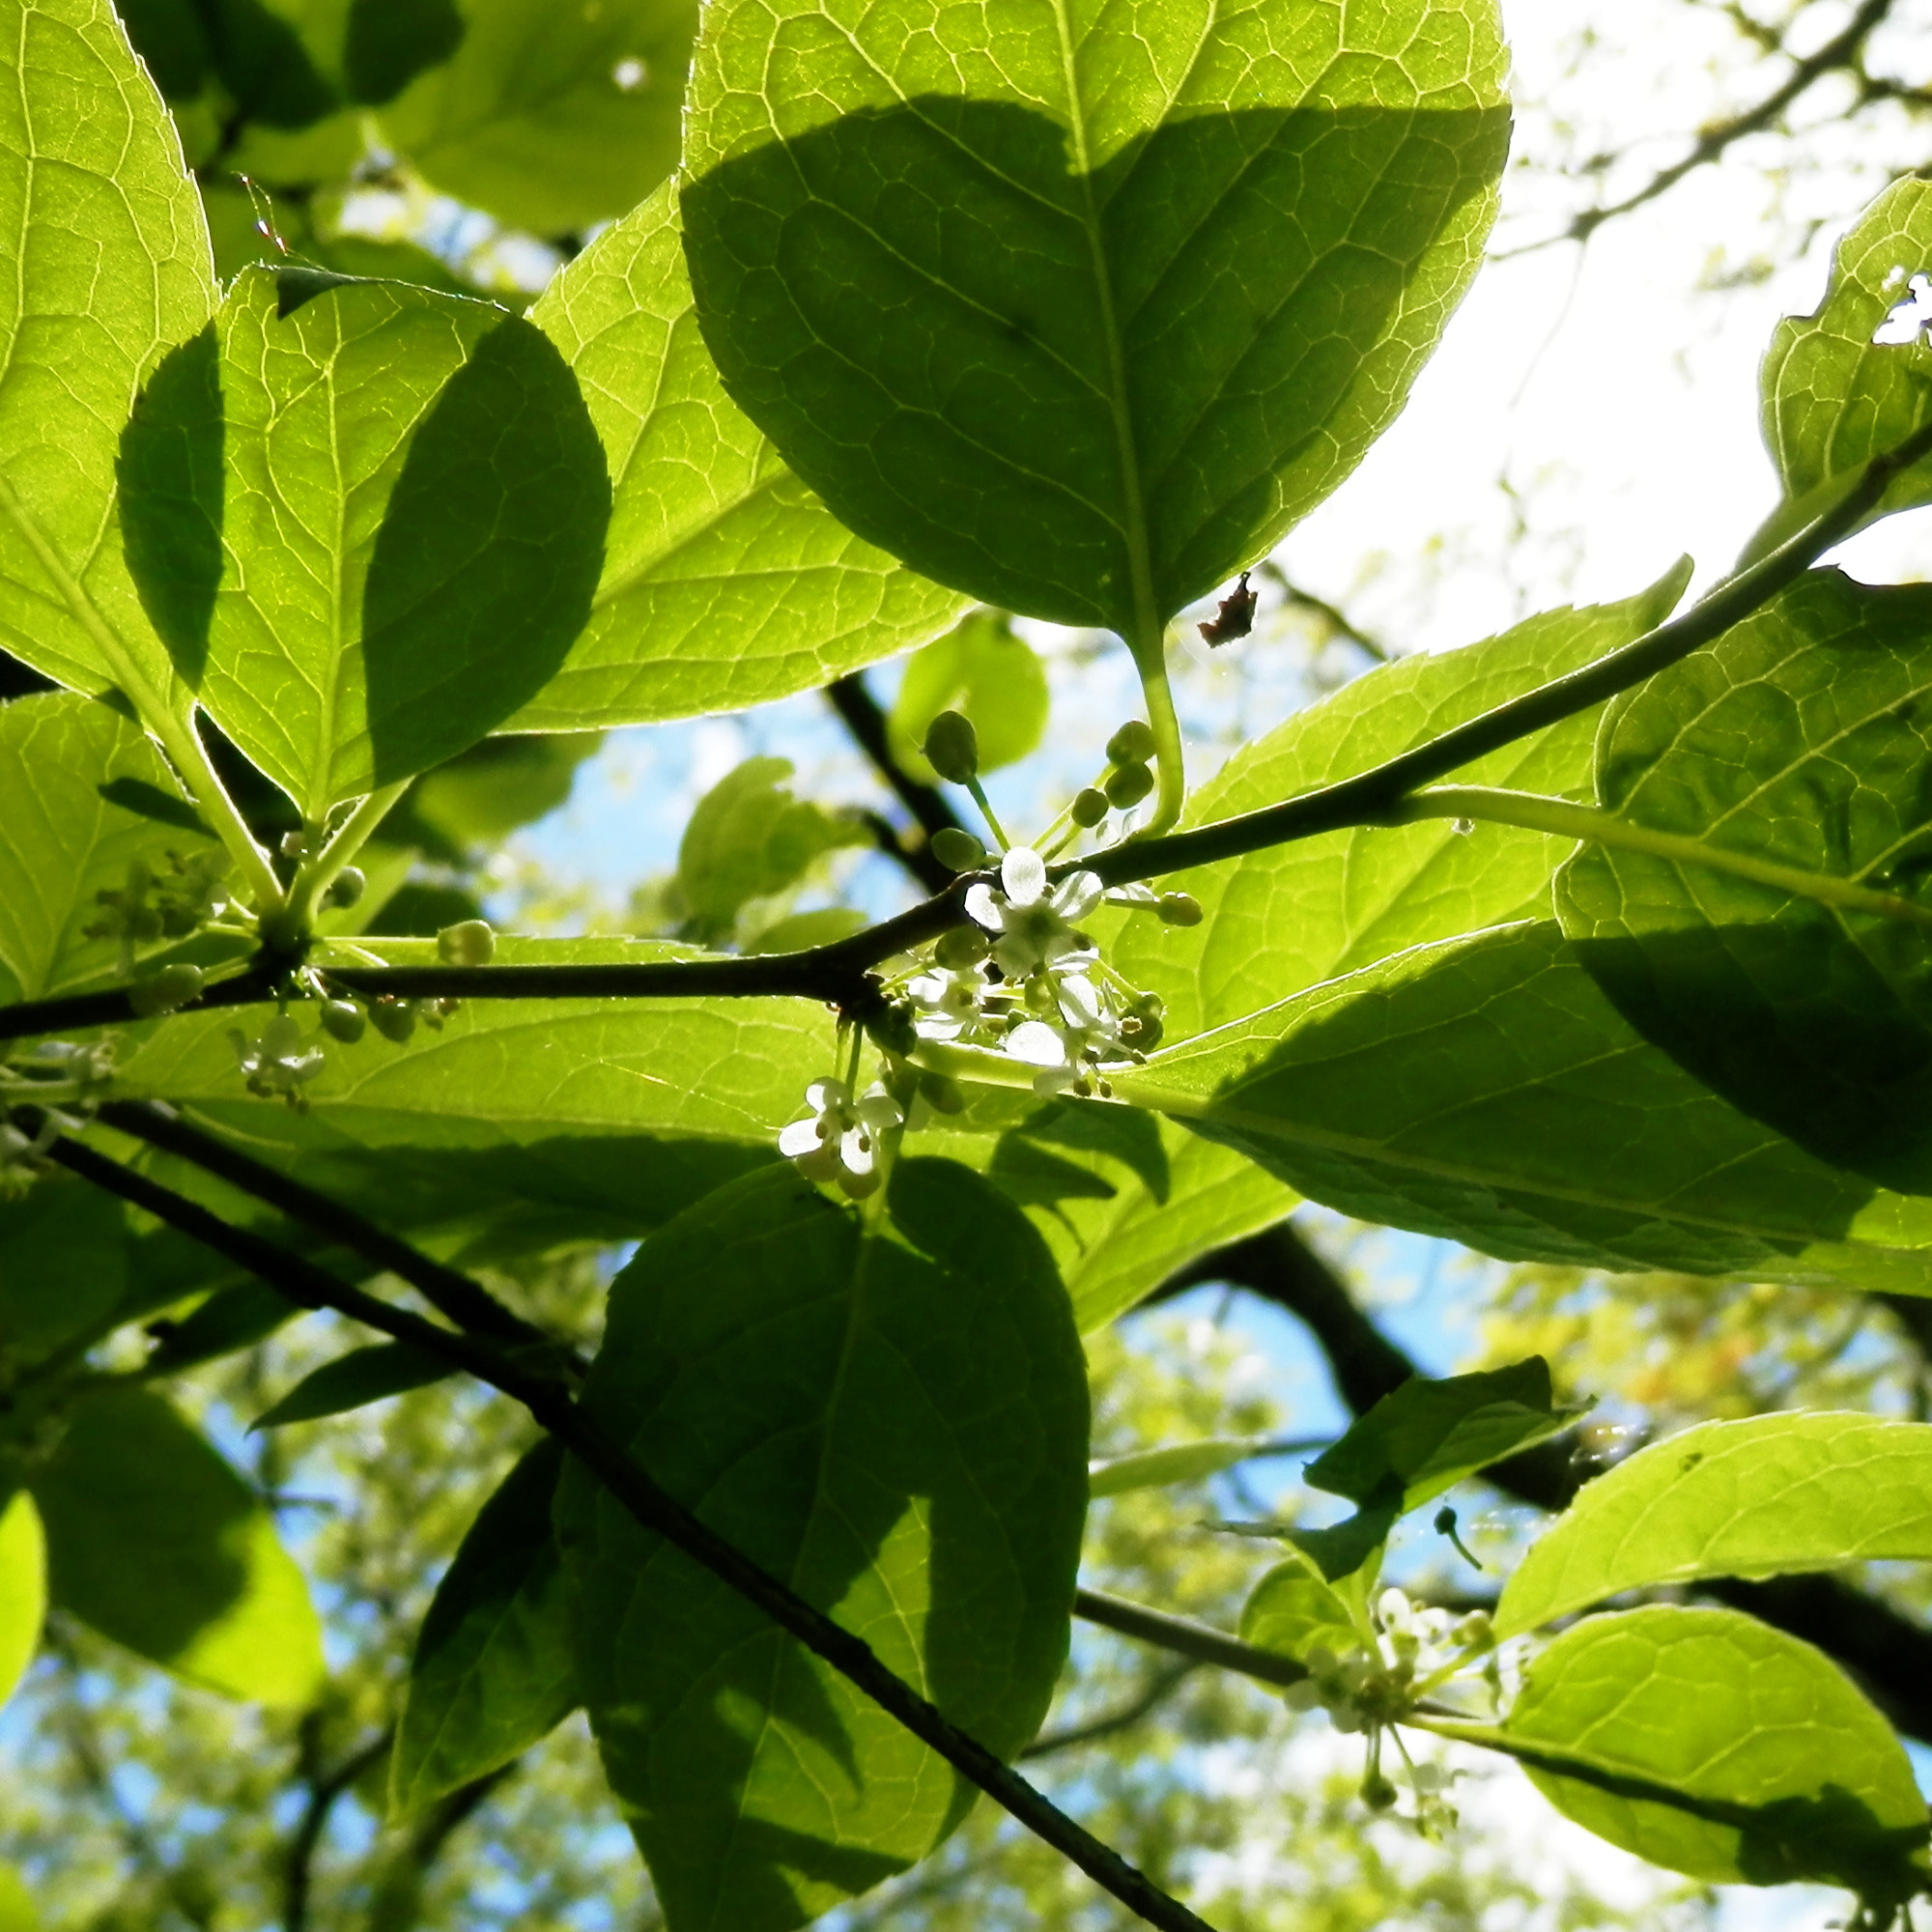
column 232, row 1319
column 1782, row 1768
column 1278, row 920
column 62, row 1266
column 726, row 581
column 1762, row 1498
column 1487, row 1091
column 368, row 519
column 1194, row 319
column 1834, row 398
column 486, row 792
column 551, row 118
column 747, row 838
column 156, row 1543
column 1801, row 737
column 1294, row 1614
column 86, row 808
column 1124, row 1199
column 987, row 673
column 1176, row 1462
column 1425, row 1436
column 23, row 1595
column 353, row 1381
column 111, row 268
column 16, row 1905
column 494, row 1672
column 890, row 1415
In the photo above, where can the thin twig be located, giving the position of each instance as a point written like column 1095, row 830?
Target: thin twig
column 1110, row 1724
column 325, row 1788
column 1187, row 1639
column 552, row 1406
column 449, row 1292
column 859, row 713
column 1711, row 144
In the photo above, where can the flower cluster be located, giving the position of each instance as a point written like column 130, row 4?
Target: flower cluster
column 147, row 906
column 1371, row 1688
column 57, row 1077
column 1053, row 1005
column 839, row 1142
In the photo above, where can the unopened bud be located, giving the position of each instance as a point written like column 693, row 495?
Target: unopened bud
column 1089, row 807
column 952, row 747
column 1132, row 743
column 393, row 1018
column 347, row 887
column 1378, row 1793
column 469, row 942
column 960, row 947
column 163, row 991
column 343, row 1020
column 1180, row 909
column 957, row 850
column 1128, row 785
column 294, row 845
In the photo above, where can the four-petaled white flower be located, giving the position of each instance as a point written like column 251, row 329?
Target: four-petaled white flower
column 839, row 1142
column 949, row 999
column 1034, row 922
column 276, row 1062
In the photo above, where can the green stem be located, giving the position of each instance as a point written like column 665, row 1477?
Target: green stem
column 1170, row 762
column 1536, row 813
column 316, row 874
column 988, row 813
column 173, row 729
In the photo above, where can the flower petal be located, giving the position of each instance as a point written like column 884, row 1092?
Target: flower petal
column 984, row 907
column 1077, row 895
column 1023, row 873
column 1036, row 1043
column 799, row 1137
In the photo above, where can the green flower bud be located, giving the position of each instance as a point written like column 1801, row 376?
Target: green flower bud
column 961, row 947
column 1089, row 807
column 1180, row 909
column 1132, row 743
column 347, row 887
column 163, row 991
column 294, row 845
column 1378, row 1793
column 469, row 942
column 952, row 747
column 1128, row 785
column 393, row 1018
column 957, row 850
column 343, row 1020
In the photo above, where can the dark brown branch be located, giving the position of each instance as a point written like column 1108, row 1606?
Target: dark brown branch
column 1188, row 1638
column 859, row 713
column 549, row 1402
column 448, row 1291
column 1841, row 51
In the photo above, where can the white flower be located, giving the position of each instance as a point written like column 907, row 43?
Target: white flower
column 839, row 1142
column 950, row 998
column 276, row 1064
column 1034, row 925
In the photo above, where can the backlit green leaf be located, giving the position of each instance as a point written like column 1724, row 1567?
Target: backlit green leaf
column 156, row 1543
column 1176, row 1462
column 1296, row 1614
column 1794, row 1772
column 1487, row 1091
column 494, row 1672
column 353, row 1381
column 87, row 807
column 16, row 1905
column 23, row 1590
column 1282, row 920
column 1760, row 1497
column 748, row 838
column 891, row 1416
column 368, row 519
column 62, row 1266
column 1425, row 1436
column 1122, row 1199
column 1802, row 736
column 1035, row 307
column 726, row 581
column 988, row 673
column 1834, row 396
column 110, row 268
column 550, row 117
